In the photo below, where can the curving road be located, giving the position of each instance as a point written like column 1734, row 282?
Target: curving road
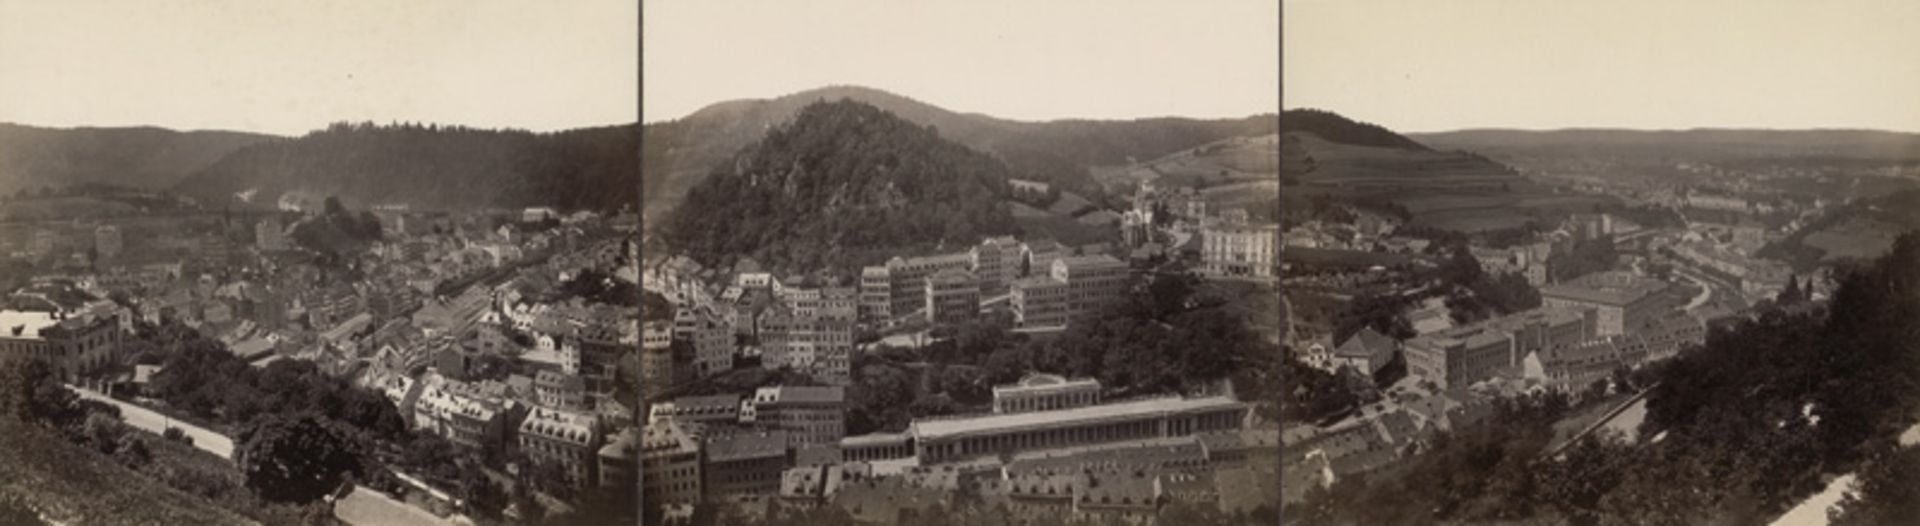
column 157, row 423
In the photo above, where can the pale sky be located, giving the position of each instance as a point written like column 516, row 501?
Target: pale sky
column 1016, row 59
column 291, row 66
column 1414, row 65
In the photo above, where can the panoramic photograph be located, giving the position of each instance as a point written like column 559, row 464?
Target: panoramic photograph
column 960, row 263
column 1600, row 263
column 347, row 262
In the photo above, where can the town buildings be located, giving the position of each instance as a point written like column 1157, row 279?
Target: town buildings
column 818, row 346
column 808, row 415
column 1460, row 356
column 74, row 345
column 995, row 262
column 952, row 296
column 1241, row 250
column 1040, row 301
column 565, row 439
column 1366, row 351
column 1093, row 283
column 670, row 462
column 747, row 463
column 1623, row 301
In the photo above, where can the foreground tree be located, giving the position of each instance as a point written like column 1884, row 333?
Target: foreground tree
column 297, row 459
column 30, row 390
column 1888, row 492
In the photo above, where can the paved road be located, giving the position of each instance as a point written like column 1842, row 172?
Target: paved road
column 157, row 423
column 369, row 507
column 1706, row 293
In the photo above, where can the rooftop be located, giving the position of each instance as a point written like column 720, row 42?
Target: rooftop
column 746, row 446
column 1000, row 423
column 25, row 324
column 789, row 394
column 1609, row 288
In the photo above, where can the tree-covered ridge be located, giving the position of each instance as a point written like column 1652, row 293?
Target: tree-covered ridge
column 843, row 185
column 431, row 166
column 145, row 157
column 1335, row 128
column 678, row 153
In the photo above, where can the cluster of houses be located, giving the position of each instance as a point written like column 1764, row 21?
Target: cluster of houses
column 724, row 318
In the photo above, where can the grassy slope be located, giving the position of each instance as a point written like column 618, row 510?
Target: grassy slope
column 77, row 486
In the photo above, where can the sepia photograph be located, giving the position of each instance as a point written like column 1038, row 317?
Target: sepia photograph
column 1620, row 263
column 960, row 263
column 325, row 262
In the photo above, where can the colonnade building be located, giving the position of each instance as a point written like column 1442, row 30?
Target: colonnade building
column 1042, row 392
column 954, row 439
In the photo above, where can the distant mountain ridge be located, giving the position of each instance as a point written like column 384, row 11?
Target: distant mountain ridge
column 679, row 153
column 134, row 157
column 843, row 184
column 1842, row 143
column 433, row 167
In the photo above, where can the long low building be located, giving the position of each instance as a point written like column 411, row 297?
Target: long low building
column 949, row 439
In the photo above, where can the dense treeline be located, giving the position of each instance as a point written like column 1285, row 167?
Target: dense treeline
column 1587, row 257
column 201, row 378
column 434, row 166
column 1736, row 431
column 1335, row 128
column 337, row 232
column 841, row 182
column 1474, row 294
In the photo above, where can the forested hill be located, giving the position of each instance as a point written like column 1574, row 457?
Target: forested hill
column 435, row 167
column 1338, row 129
column 681, row 152
column 843, row 185
column 145, row 157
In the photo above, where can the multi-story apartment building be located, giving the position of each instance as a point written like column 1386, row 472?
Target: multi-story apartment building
column 670, row 464
column 454, row 411
column 839, row 304
column 1039, row 301
column 995, row 263
column 952, row 296
column 713, row 347
column 1623, row 302
column 567, row 439
column 1241, row 250
column 907, row 278
column 1093, row 282
column 876, row 294
column 808, row 415
column 1460, row 356
column 75, row 345
column 558, row 390
column 1037, row 256
column 707, row 409
column 742, row 464
column 656, row 356
column 619, row 459
column 817, row 346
